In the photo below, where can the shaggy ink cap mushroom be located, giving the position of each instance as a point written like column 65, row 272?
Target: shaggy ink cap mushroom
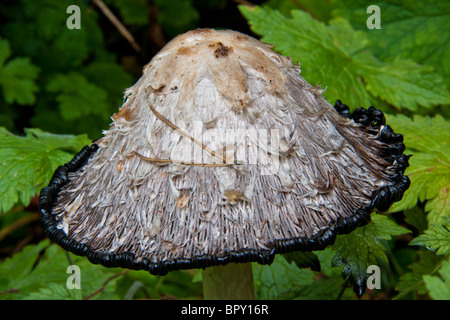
column 222, row 152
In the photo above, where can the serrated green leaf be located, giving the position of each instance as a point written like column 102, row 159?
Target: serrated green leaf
column 427, row 140
column 280, row 280
column 413, row 281
column 312, row 44
column 437, row 238
column 14, row 271
column 408, row 30
column 17, row 77
column 337, row 56
column 27, row 163
column 417, row 218
column 112, row 78
column 43, row 35
column 327, row 266
column 77, row 97
column 54, row 291
column 406, row 84
column 303, row 259
column 319, row 9
column 324, row 289
column 45, row 275
column 363, row 247
column 438, row 288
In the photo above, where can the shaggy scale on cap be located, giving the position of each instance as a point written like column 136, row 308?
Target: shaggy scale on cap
column 221, row 153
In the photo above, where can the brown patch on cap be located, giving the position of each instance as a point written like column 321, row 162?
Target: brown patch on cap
column 183, row 199
column 185, row 51
column 160, row 89
column 120, row 165
column 234, row 195
column 125, row 113
column 221, row 50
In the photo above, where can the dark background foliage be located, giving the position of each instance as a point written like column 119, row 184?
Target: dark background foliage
column 65, row 85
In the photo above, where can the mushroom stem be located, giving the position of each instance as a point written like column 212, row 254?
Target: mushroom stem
column 231, row 282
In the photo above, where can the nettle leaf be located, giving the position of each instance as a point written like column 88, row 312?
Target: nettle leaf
column 112, row 78
column 338, row 57
column 413, row 281
column 406, row 84
column 14, row 271
column 303, row 259
column 45, row 275
column 427, row 140
column 363, row 247
column 437, row 238
column 408, row 30
column 280, row 280
column 54, row 291
column 285, row 279
column 310, row 42
column 17, row 77
column 77, row 97
column 27, row 163
column 439, row 288
column 324, row 289
column 43, row 34
column 319, row 9
column 417, row 218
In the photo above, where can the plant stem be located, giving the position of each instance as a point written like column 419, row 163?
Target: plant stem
column 231, row 282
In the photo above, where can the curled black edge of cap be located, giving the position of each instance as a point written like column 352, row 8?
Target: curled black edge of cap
column 371, row 121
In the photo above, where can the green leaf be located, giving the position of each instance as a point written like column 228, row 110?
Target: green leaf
column 311, row 43
column 319, row 9
column 427, row 139
column 43, row 35
column 324, row 289
column 437, row 238
column 176, row 16
column 327, row 266
column 112, row 78
column 413, row 281
column 417, row 218
column 280, row 280
column 133, row 12
column 303, row 259
column 55, row 291
column 27, row 163
column 363, row 247
column 439, row 288
column 77, row 97
column 40, row 272
column 408, row 31
column 337, row 56
column 17, row 77
column 14, row 271
column 406, row 84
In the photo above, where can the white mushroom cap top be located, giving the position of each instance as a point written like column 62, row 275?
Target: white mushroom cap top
column 221, row 153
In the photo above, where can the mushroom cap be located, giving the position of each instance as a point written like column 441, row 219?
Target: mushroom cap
column 222, row 152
